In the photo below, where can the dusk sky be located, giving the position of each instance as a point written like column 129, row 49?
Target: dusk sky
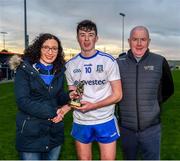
column 60, row 17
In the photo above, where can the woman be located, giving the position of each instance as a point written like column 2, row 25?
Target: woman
column 39, row 94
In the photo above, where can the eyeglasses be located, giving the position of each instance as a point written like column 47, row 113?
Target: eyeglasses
column 47, row 49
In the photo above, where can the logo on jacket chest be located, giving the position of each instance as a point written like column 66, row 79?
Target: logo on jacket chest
column 149, row 67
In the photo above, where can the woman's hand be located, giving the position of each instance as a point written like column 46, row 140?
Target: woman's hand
column 61, row 113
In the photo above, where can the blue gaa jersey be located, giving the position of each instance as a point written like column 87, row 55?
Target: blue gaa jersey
column 97, row 72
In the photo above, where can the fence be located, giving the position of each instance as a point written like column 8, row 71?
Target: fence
column 6, row 73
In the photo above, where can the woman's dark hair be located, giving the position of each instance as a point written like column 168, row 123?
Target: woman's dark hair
column 86, row 25
column 33, row 52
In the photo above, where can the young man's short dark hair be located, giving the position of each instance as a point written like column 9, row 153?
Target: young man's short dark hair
column 86, row 25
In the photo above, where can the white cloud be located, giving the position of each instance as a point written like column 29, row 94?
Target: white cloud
column 60, row 17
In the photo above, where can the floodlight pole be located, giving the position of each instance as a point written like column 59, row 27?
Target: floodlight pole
column 26, row 39
column 4, row 44
column 123, row 15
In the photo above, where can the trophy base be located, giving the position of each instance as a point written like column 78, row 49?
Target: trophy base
column 75, row 104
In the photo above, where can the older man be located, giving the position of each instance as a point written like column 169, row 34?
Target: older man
column 147, row 82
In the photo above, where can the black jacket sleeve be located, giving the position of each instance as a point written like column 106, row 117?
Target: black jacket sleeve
column 167, row 85
column 63, row 96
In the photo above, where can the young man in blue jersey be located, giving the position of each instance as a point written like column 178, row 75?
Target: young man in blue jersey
column 94, row 120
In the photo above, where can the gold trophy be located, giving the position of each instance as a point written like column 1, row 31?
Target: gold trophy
column 79, row 89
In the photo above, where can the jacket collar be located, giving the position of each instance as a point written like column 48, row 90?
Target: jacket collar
column 26, row 66
column 131, row 56
column 30, row 68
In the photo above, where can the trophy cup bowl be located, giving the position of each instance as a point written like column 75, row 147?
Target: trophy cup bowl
column 79, row 89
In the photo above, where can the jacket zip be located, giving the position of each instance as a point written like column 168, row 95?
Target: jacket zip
column 49, row 87
column 24, row 122
column 137, row 104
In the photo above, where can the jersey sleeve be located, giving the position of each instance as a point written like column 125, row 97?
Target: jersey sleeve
column 113, row 71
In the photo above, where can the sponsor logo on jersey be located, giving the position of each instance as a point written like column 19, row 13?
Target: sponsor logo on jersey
column 99, row 68
column 77, row 71
column 92, row 82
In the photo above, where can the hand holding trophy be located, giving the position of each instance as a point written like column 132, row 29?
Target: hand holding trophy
column 75, row 103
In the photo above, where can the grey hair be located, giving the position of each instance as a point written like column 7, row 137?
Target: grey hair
column 141, row 28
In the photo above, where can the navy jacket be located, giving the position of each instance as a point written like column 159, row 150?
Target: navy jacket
column 37, row 103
